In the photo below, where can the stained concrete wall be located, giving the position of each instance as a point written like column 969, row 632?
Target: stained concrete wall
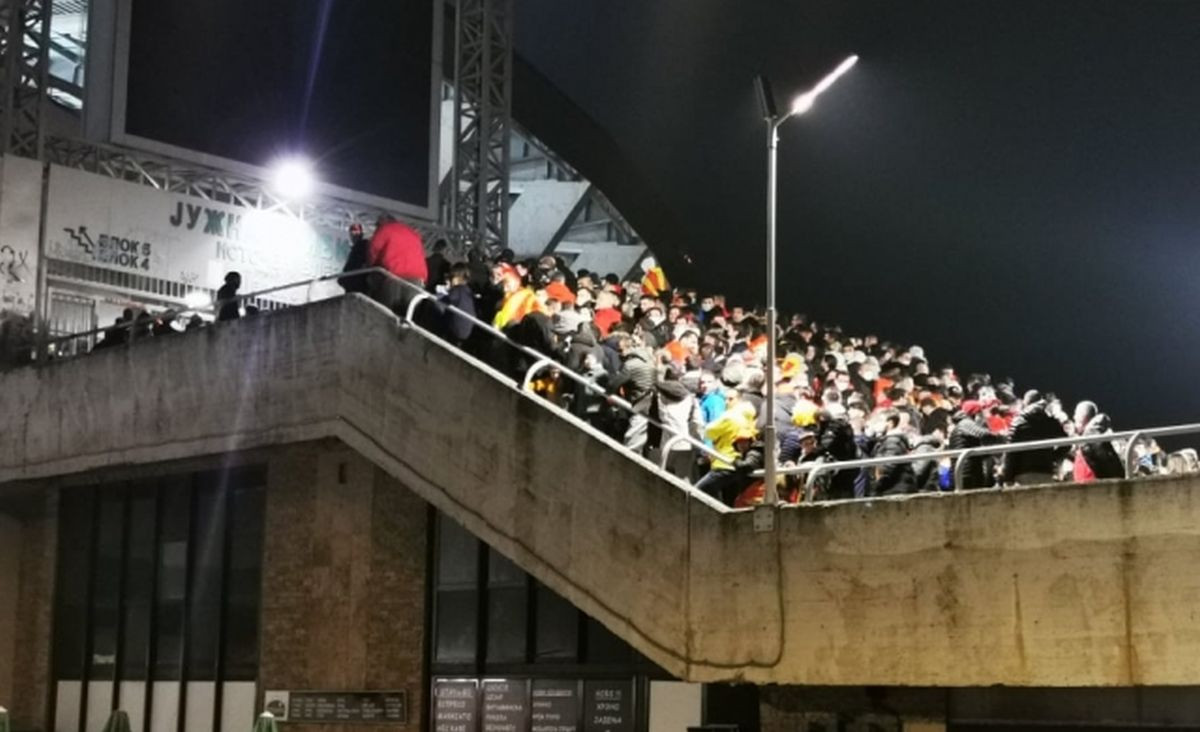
column 1076, row 585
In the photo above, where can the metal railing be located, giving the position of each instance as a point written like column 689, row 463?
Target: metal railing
column 814, row 470
column 540, row 361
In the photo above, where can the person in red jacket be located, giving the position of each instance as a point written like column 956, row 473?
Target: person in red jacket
column 397, row 248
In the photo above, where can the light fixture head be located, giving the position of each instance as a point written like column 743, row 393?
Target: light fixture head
column 805, row 101
column 293, row 178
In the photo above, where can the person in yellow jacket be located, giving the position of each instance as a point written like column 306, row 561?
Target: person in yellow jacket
column 518, row 302
column 735, row 437
column 654, row 280
column 726, row 430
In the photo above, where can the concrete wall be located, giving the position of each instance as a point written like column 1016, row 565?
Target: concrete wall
column 1075, row 585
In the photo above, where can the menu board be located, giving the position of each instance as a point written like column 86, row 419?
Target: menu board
column 383, row 707
column 455, row 705
column 555, row 706
column 608, row 706
column 505, row 705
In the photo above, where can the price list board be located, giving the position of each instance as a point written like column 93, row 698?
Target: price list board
column 608, row 706
column 505, row 705
column 455, row 705
column 379, row 707
column 554, row 706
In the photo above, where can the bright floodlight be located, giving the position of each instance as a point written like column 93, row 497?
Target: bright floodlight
column 805, row 101
column 293, row 178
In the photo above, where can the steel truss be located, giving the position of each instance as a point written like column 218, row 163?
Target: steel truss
column 214, row 185
column 479, row 197
column 26, row 52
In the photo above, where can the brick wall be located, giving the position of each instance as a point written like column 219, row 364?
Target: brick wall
column 344, row 579
column 31, row 678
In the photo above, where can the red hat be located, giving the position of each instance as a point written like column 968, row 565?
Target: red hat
column 559, row 291
column 971, row 407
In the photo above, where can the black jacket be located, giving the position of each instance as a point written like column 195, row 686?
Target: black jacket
column 357, row 259
column 1032, row 424
column 636, row 380
column 896, row 478
column 583, row 343
column 968, row 433
column 835, row 442
column 454, row 325
column 1101, row 457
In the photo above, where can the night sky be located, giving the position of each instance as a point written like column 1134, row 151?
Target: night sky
column 1013, row 185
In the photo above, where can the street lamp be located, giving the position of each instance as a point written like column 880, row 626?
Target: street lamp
column 800, row 105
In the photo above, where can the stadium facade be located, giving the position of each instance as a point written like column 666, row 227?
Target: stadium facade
column 175, row 543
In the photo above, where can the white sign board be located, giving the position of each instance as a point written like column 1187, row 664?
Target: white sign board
column 20, row 190
column 133, row 228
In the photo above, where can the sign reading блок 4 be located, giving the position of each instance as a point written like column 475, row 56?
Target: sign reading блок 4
column 129, row 227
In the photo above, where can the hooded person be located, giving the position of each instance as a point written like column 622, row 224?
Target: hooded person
column 970, row 431
column 356, row 259
column 679, row 412
column 1097, row 460
column 835, row 441
column 733, row 435
column 1034, row 423
column 635, row 382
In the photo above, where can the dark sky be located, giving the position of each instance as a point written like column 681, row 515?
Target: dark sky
column 1013, row 185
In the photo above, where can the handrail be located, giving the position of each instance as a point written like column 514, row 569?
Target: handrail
column 961, row 455
column 540, row 359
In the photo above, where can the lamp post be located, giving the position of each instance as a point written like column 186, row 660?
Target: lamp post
column 800, row 105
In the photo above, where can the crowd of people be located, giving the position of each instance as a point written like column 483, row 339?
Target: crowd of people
column 693, row 364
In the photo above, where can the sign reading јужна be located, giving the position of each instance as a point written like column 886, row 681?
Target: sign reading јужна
column 128, row 227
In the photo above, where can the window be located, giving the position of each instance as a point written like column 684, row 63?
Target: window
column 71, row 598
column 508, row 597
column 106, row 585
column 557, row 627
column 138, row 603
column 456, row 599
column 159, row 580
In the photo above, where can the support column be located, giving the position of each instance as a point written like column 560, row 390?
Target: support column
column 26, row 32
column 483, row 107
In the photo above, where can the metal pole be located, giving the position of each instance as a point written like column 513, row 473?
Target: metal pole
column 770, row 494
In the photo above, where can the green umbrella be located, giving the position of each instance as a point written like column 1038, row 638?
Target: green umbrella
column 4, row 720
column 264, row 723
column 118, row 721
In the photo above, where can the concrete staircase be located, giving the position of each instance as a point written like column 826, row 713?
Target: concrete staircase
column 1066, row 586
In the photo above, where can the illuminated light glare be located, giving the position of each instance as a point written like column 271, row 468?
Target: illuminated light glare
column 805, row 101
column 197, row 300
column 293, row 178
column 802, row 104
